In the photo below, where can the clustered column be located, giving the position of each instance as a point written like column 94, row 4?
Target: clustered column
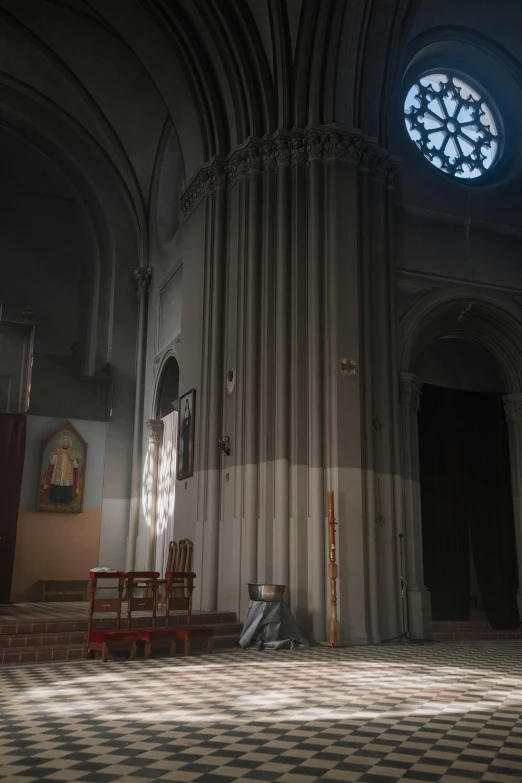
column 275, row 200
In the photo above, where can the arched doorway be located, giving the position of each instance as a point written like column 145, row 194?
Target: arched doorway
column 468, row 536
column 164, row 429
column 462, row 425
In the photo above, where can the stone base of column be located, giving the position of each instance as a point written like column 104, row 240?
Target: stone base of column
column 419, row 611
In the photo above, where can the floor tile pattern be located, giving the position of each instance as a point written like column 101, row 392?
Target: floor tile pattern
column 443, row 713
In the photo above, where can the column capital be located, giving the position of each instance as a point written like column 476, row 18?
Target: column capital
column 300, row 146
column 513, row 407
column 410, row 390
column 155, row 428
column 142, row 276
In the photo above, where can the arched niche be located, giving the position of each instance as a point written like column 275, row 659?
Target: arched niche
column 112, row 216
column 492, row 327
column 170, row 179
column 167, row 389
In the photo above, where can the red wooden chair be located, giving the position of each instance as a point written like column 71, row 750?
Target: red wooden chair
column 145, row 582
column 102, row 640
column 154, row 636
column 179, row 596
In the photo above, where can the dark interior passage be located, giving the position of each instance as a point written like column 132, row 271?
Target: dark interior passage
column 467, row 507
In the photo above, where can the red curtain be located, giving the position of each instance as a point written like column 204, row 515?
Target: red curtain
column 12, row 451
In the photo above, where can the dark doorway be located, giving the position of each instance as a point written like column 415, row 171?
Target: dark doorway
column 467, row 507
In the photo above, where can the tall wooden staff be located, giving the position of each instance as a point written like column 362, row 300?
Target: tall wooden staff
column 334, row 635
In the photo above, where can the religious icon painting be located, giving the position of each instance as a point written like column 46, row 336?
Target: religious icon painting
column 186, row 426
column 61, row 475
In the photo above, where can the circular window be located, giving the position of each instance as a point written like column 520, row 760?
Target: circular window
column 452, row 125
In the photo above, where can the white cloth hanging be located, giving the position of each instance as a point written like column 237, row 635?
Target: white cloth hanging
column 166, row 490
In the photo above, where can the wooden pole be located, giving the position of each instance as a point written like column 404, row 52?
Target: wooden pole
column 334, row 636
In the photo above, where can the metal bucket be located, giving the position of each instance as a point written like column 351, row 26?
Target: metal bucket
column 266, row 592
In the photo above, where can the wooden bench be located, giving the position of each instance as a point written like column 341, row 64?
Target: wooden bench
column 51, row 587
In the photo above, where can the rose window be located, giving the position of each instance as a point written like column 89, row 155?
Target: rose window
column 452, row 125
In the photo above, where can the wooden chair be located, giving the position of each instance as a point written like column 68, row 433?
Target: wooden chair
column 186, row 549
column 184, row 565
column 179, row 596
column 179, row 560
column 102, row 640
column 172, row 565
column 161, row 637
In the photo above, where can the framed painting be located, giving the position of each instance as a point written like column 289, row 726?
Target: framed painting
column 186, row 427
column 61, row 472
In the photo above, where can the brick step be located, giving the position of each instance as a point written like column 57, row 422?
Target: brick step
column 461, row 625
column 66, row 652
column 473, row 635
column 69, row 652
column 80, row 637
column 28, row 641
column 27, row 626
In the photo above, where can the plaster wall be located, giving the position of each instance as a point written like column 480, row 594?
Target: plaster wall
column 51, row 545
column 175, row 322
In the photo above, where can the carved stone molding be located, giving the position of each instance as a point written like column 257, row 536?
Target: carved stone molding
column 142, row 276
column 298, row 147
column 155, row 428
column 513, row 407
column 409, row 390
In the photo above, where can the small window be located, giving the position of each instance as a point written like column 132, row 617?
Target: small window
column 168, row 388
column 452, row 125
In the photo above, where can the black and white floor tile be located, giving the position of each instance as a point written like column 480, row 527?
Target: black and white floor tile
column 447, row 712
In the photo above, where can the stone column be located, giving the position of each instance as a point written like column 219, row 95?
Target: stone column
column 418, row 596
column 143, row 276
column 513, row 411
column 155, row 428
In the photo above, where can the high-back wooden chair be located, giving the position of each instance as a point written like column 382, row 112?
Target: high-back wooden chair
column 102, row 640
column 172, row 558
column 185, row 556
column 186, row 549
column 179, row 560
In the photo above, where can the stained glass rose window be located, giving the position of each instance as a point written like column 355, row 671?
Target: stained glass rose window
column 452, row 125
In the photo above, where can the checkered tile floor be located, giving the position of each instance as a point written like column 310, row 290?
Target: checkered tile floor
column 443, row 713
